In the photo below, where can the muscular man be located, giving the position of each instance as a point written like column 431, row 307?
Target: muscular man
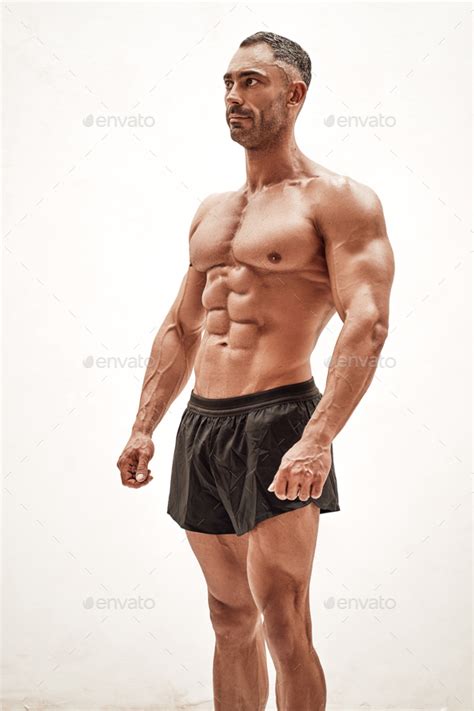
column 270, row 264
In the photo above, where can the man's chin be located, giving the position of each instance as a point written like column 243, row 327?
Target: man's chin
column 241, row 136
column 240, row 140
column 236, row 135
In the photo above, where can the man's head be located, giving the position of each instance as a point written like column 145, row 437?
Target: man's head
column 266, row 84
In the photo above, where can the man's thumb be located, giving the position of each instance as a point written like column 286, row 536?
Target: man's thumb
column 142, row 469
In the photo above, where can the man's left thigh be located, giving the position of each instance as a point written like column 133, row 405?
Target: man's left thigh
column 280, row 556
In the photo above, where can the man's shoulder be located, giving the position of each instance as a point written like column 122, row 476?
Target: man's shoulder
column 214, row 198
column 344, row 206
column 205, row 207
column 336, row 191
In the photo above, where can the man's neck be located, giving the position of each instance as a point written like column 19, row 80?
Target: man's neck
column 272, row 164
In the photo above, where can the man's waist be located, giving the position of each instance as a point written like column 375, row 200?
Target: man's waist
column 305, row 389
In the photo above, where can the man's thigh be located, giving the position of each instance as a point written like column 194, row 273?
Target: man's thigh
column 223, row 560
column 280, row 556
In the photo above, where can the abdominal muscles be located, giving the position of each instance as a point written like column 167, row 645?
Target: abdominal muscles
column 259, row 331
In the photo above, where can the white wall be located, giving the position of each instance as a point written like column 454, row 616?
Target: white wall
column 95, row 226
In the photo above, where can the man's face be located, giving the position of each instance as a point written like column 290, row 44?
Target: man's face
column 256, row 93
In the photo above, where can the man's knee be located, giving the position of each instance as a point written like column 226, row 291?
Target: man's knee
column 234, row 623
column 287, row 622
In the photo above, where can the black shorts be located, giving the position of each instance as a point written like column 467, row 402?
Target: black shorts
column 227, row 452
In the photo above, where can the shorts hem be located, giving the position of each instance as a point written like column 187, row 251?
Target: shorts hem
column 328, row 509
column 194, row 529
column 270, row 514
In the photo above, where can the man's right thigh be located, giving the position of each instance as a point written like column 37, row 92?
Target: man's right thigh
column 223, row 560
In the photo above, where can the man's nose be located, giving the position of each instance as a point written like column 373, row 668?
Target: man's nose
column 233, row 97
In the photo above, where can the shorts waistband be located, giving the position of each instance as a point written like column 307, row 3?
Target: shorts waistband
column 242, row 403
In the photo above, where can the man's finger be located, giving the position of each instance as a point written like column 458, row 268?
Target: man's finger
column 278, row 485
column 292, row 489
column 133, row 483
column 142, row 469
column 274, row 482
column 147, row 480
column 305, row 488
column 127, row 473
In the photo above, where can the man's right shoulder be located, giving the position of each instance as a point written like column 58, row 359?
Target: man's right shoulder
column 205, row 207
column 212, row 199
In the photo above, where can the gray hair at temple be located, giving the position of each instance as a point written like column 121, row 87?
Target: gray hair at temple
column 285, row 50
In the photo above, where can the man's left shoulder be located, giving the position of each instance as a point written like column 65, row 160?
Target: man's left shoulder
column 343, row 193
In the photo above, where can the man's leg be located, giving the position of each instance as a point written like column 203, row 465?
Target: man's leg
column 280, row 559
column 240, row 675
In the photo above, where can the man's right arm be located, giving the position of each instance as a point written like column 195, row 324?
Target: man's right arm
column 171, row 362
column 175, row 345
column 173, row 353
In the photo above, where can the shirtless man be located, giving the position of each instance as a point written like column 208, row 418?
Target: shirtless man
column 270, row 264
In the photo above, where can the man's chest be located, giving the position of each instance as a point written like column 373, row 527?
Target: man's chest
column 273, row 232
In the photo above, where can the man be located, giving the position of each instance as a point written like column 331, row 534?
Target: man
column 270, row 264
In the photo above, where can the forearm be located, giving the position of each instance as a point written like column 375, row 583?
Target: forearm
column 350, row 373
column 171, row 362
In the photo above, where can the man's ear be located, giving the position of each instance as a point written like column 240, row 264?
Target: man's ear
column 297, row 93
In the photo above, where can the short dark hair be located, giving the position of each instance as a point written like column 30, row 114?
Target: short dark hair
column 284, row 49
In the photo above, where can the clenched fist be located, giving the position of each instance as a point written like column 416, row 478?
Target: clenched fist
column 133, row 462
column 303, row 471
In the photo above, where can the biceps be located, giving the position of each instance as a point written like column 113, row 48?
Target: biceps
column 361, row 279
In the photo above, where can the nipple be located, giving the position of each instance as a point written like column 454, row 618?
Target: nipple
column 274, row 257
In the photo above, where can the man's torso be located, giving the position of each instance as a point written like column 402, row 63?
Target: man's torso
column 267, row 295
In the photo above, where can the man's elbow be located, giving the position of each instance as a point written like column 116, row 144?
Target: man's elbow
column 372, row 324
column 190, row 324
column 379, row 332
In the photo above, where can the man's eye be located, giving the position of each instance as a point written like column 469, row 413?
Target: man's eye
column 228, row 83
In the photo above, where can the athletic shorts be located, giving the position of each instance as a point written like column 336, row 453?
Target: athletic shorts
column 227, row 453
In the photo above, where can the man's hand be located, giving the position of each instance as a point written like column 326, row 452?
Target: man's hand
column 303, row 471
column 133, row 462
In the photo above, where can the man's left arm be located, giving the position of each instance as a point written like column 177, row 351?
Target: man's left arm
column 360, row 263
column 361, row 269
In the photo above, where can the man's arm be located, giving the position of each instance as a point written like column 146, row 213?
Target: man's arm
column 173, row 353
column 172, row 359
column 175, row 345
column 361, row 270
